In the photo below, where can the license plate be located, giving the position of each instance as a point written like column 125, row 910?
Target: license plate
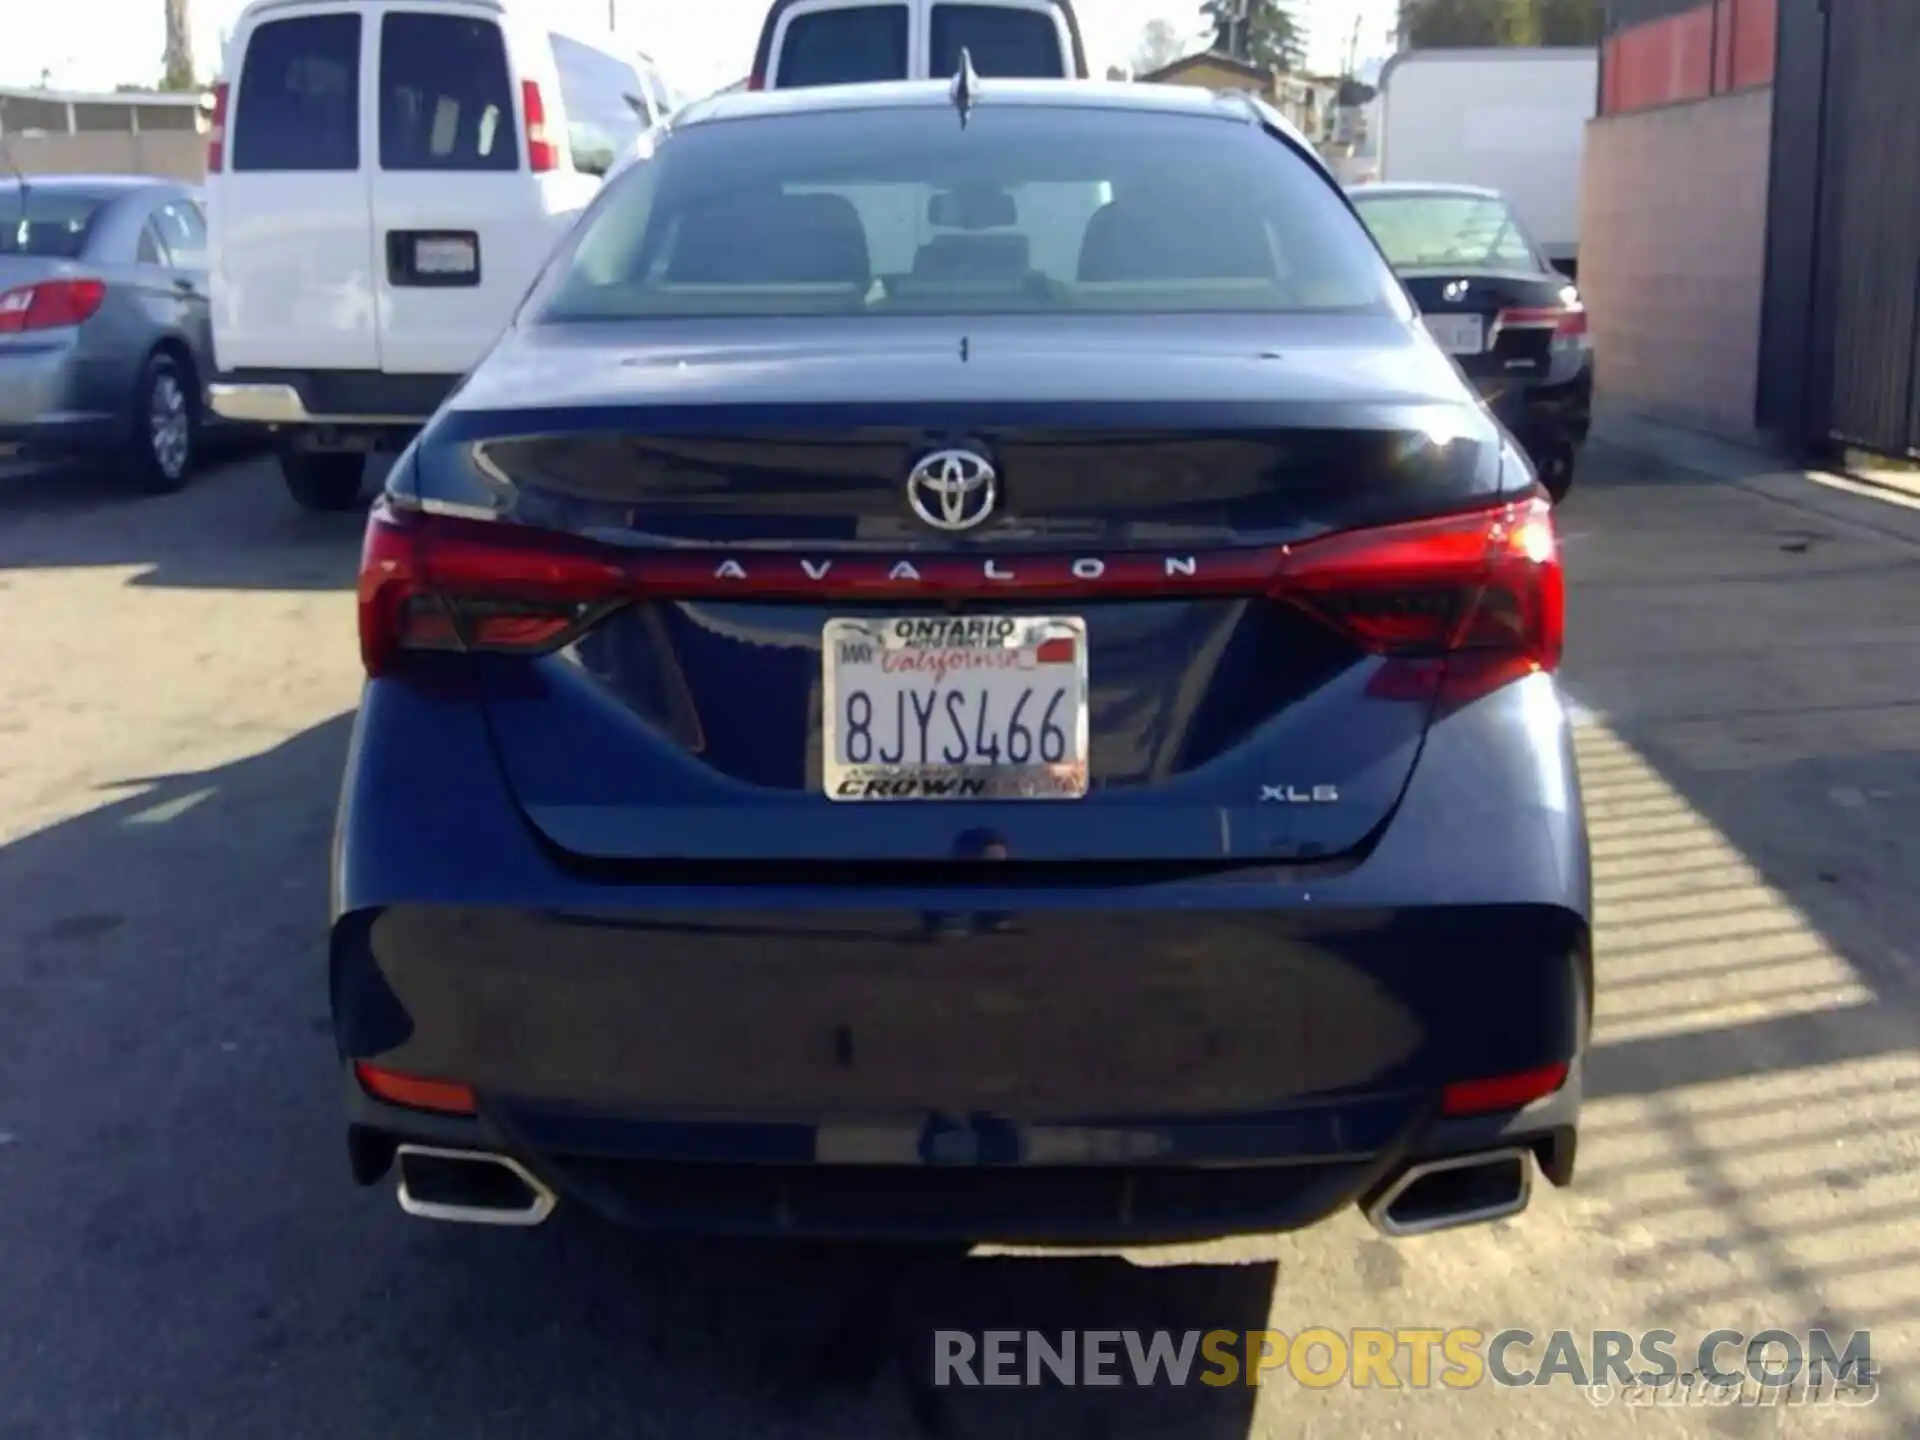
column 954, row 707
column 445, row 257
column 1459, row 334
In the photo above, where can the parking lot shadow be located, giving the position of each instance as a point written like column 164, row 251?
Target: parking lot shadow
column 233, row 527
column 1749, row 677
column 185, row 1254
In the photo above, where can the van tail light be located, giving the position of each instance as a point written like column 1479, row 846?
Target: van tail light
column 542, row 154
column 217, row 131
column 1488, row 581
column 49, row 305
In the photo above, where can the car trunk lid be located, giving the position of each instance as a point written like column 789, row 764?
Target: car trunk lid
column 1499, row 324
column 719, row 531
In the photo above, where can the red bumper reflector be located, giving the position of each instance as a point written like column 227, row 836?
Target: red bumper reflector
column 449, row 1097
column 1503, row 1092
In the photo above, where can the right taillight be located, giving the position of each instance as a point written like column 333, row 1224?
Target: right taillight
column 542, row 154
column 1488, row 581
column 756, row 81
column 1567, row 321
column 428, row 582
column 217, row 131
column 50, row 305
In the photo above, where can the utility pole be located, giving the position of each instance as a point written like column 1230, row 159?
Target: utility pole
column 178, row 62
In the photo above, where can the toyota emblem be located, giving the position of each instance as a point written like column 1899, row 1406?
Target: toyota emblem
column 953, row 489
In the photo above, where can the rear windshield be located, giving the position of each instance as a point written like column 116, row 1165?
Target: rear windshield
column 1019, row 44
column 54, row 226
column 849, row 46
column 299, row 102
column 1453, row 232
column 1024, row 210
column 445, row 100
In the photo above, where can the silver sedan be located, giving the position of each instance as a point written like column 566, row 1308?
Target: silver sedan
column 105, row 342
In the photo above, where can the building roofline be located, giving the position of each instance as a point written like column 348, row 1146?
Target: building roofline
column 1205, row 57
column 176, row 99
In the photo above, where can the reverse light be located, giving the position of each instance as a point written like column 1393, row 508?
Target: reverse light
column 1502, row 1092
column 50, row 304
column 217, row 131
column 1488, row 581
column 448, row 1097
column 542, row 154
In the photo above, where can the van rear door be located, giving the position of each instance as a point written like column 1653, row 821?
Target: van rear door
column 290, row 250
column 835, row 42
column 460, row 224
column 1014, row 39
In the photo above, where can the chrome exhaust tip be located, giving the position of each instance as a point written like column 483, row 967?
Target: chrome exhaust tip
column 1432, row 1195
column 469, row 1187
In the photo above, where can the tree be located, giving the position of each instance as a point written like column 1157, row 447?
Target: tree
column 1160, row 45
column 1572, row 22
column 1443, row 24
column 1261, row 32
column 177, row 66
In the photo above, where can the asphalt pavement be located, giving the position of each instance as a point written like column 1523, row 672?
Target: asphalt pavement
column 182, row 1252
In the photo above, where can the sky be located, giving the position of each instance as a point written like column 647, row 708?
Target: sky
column 98, row 44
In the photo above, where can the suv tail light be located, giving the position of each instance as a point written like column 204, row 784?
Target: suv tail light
column 542, row 154
column 217, row 131
column 1486, row 581
column 49, row 305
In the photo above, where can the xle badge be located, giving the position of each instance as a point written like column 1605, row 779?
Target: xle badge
column 1299, row 795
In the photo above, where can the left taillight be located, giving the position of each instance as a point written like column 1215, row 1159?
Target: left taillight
column 435, row 583
column 1488, row 581
column 49, row 305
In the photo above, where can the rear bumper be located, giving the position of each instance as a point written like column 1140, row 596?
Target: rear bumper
column 350, row 401
column 1544, row 415
column 55, row 401
column 973, row 1179
column 58, row 437
column 1244, row 1051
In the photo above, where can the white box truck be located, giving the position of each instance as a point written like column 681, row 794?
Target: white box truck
column 1513, row 120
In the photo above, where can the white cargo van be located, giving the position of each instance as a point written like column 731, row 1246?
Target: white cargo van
column 1512, row 120
column 849, row 42
column 384, row 179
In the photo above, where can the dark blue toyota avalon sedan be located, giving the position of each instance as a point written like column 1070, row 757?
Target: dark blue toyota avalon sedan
column 965, row 669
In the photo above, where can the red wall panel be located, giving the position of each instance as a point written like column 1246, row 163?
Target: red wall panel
column 1663, row 61
column 1718, row 45
column 1755, row 37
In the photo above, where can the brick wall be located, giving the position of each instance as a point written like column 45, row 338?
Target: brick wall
column 1672, row 246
